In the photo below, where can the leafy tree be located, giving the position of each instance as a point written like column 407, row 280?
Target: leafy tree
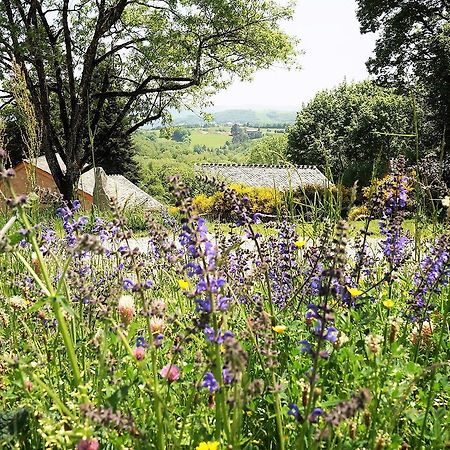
column 200, row 148
column 113, row 149
column 349, row 130
column 413, row 51
column 148, row 56
column 239, row 134
column 181, row 135
column 269, row 150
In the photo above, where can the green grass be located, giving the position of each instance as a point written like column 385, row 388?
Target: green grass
column 309, row 229
column 210, row 137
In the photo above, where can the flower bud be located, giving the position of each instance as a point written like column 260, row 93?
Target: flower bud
column 139, row 353
column 126, row 308
column 156, row 325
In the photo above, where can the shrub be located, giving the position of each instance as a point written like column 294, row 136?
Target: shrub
column 358, row 212
column 259, row 200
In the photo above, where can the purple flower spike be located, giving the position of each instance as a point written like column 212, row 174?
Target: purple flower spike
column 209, row 382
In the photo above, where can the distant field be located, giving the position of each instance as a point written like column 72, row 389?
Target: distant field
column 210, row 137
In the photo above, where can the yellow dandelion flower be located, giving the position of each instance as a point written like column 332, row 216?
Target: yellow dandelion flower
column 300, row 244
column 184, row 285
column 388, row 303
column 280, row 329
column 208, row 445
column 354, row 292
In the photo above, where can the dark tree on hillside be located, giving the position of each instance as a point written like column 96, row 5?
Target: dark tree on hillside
column 145, row 54
column 181, row 135
column 413, row 50
column 239, row 135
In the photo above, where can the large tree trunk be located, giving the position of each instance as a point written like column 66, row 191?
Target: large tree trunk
column 70, row 183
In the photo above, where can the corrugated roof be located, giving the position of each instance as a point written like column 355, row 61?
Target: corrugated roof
column 282, row 177
column 126, row 192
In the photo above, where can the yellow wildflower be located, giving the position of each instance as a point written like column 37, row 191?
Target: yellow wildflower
column 299, row 244
column 354, row 292
column 388, row 303
column 279, row 328
column 183, row 284
column 208, row 445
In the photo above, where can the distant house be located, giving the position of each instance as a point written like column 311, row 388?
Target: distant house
column 281, row 177
column 94, row 180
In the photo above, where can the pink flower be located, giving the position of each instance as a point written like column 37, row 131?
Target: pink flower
column 88, row 444
column 170, row 372
column 139, row 353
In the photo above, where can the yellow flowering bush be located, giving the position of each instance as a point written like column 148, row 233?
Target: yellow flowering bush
column 358, row 212
column 260, row 199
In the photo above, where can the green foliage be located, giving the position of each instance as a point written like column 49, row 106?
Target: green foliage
column 239, row 134
column 180, row 347
column 412, row 52
column 159, row 158
column 114, row 151
column 269, row 150
column 316, row 203
column 352, row 131
column 181, row 135
column 146, row 58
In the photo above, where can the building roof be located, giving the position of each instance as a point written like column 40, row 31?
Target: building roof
column 281, row 177
column 117, row 186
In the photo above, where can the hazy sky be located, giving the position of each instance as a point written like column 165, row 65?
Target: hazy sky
column 333, row 50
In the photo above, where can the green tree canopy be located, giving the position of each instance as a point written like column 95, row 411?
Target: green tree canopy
column 239, row 134
column 181, row 135
column 148, row 56
column 348, row 130
column 412, row 50
column 269, row 150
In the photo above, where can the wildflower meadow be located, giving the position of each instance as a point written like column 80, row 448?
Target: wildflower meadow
column 326, row 338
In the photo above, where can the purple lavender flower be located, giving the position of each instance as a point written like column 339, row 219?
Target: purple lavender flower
column 227, row 376
column 434, row 273
column 219, row 338
column 315, row 414
column 295, row 412
column 128, row 284
column 306, row 347
column 141, row 342
column 209, row 382
column 209, row 334
column 203, row 305
column 222, row 302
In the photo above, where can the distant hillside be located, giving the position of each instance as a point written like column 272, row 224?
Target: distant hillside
column 240, row 116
